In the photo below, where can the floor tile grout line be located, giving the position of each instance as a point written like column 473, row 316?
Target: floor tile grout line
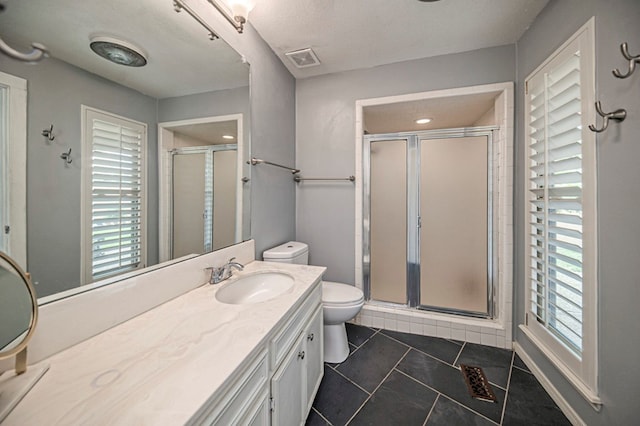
column 506, row 394
column 353, row 383
column 431, row 410
column 323, row 417
column 377, row 387
column 363, row 343
column 459, row 353
column 522, row 369
column 422, row 352
column 335, row 368
column 470, row 409
column 448, row 397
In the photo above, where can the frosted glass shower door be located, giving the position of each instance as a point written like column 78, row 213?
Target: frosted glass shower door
column 454, row 223
column 188, row 196
column 388, row 221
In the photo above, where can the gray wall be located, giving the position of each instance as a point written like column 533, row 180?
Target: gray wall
column 208, row 104
column 55, row 92
column 325, row 135
column 618, row 200
column 273, row 126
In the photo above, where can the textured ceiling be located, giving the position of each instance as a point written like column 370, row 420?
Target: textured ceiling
column 352, row 34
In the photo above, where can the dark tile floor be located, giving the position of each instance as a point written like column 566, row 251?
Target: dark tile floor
column 393, row 378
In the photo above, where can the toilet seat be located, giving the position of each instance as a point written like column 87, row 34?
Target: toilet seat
column 338, row 294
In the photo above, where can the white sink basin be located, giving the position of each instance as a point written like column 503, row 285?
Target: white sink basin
column 255, row 288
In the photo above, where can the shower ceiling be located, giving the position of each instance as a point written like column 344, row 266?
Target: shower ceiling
column 445, row 113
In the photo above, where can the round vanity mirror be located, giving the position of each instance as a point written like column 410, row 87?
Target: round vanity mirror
column 18, row 308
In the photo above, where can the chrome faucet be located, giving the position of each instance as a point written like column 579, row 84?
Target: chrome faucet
column 221, row 273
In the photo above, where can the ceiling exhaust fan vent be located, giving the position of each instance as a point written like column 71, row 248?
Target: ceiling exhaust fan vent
column 303, row 58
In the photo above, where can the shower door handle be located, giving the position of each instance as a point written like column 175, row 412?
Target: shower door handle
column 419, row 222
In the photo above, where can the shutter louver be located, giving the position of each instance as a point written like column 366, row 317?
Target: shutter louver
column 555, row 182
column 116, row 198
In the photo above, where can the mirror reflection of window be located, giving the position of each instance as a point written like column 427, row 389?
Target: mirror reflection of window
column 114, row 202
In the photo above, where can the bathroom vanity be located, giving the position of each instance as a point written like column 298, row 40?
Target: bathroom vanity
column 193, row 360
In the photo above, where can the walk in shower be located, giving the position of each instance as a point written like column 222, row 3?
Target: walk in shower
column 203, row 198
column 428, row 222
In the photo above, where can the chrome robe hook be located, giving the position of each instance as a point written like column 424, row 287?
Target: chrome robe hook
column 633, row 60
column 617, row 115
column 66, row 156
column 48, row 133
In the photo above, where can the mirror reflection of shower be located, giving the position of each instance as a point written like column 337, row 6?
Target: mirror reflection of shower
column 202, row 203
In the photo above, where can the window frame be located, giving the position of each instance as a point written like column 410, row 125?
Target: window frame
column 580, row 371
column 86, row 192
column 14, row 175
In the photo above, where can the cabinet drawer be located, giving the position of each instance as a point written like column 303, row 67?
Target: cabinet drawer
column 259, row 414
column 237, row 398
column 286, row 337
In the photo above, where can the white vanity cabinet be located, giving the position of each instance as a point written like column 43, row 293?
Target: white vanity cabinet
column 278, row 386
column 295, row 382
column 314, row 357
column 244, row 401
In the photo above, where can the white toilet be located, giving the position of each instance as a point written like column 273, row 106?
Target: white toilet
column 340, row 302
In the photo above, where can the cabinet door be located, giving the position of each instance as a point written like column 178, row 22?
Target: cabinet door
column 288, row 387
column 314, row 341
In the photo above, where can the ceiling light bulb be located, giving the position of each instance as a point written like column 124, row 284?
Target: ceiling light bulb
column 227, row 137
column 423, row 121
column 240, row 9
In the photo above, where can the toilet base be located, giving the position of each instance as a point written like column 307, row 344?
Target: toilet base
column 336, row 346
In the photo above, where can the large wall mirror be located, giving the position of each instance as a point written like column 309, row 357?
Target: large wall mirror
column 127, row 166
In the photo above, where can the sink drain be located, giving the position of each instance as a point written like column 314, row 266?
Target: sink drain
column 477, row 383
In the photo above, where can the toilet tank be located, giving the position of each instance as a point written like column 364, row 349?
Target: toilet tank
column 291, row 252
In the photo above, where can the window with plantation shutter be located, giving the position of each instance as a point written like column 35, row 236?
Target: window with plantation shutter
column 560, row 209
column 114, row 195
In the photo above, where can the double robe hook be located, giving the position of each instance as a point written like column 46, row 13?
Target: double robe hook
column 48, row 133
column 617, row 115
column 633, row 60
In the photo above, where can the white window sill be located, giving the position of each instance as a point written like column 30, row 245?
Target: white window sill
column 585, row 391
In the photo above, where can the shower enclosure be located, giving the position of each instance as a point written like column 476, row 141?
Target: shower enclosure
column 203, row 198
column 428, row 220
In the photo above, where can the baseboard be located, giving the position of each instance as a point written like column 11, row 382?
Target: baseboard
column 557, row 397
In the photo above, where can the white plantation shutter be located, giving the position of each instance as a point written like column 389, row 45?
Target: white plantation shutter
column 555, row 154
column 115, row 233
column 561, row 233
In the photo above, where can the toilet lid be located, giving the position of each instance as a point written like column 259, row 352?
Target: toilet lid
column 341, row 294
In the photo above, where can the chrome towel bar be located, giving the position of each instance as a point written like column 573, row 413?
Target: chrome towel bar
column 300, row 178
column 255, row 161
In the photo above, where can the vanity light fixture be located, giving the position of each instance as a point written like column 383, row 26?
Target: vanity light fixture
column 118, row 51
column 227, row 137
column 423, row 120
column 234, row 11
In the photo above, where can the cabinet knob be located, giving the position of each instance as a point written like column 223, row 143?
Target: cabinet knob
column 301, row 354
column 310, row 337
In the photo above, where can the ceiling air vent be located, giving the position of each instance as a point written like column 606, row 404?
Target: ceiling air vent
column 303, row 58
